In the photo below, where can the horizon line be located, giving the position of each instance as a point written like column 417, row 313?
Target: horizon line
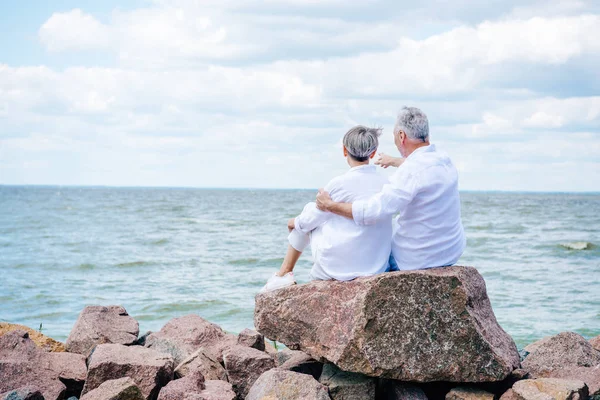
column 272, row 188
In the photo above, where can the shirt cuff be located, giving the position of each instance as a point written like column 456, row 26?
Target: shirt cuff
column 358, row 212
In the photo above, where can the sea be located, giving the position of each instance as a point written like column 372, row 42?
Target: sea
column 168, row 252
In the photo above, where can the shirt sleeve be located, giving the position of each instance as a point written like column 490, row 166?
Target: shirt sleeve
column 393, row 198
column 310, row 218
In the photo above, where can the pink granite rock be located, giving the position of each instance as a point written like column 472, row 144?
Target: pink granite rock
column 279, row 384
column 549, row 389
column 510, row 395
column 251, row 338
column 149, row 369
column 565, row 356
column 595, row 342
column 302, row 363
column 427, row 325
column 175, row 390
column 22, row 364
column 244, row 365
column 115, row 389
column 469, row 393
column 217, row 390
column 203, row 362
column 97, row 325
column 181, row 337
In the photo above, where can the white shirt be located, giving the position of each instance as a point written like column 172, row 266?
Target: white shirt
column 424, row 193
column 346, row 250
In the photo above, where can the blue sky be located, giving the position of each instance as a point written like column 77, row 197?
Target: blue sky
column 248, row 93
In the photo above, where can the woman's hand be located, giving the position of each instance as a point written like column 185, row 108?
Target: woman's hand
column 385, row 161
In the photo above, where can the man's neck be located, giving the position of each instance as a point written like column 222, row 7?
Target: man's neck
column 413, row 146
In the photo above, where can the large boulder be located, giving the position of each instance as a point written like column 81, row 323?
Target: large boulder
column 279, row 384
column 564, row 356
column 98, row 325
column 115, row 389
column 24, row 365
column 548, row 389
column 149, row 369
column 344, row 385
column 244, row 365
column 182, row 336
column 427, row 325
column 42, row 341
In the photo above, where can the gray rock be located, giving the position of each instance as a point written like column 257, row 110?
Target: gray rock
column 347, row 385
column 278, row 384
column 251, row 338
column 421, row 326
column 149, row 369
column 115, row 389
column 244, row 365
column 97, row 325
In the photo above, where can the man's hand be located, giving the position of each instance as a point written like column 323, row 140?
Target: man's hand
column 324, row 201
column 291, row 224
column 385, row 161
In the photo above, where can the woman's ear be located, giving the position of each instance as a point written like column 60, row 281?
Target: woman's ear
column 345, row 151
column 373, row 153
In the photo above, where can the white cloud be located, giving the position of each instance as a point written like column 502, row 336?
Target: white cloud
column 75, row 30
column 541, row 119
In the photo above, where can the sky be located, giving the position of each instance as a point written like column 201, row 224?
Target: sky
column 259, row 93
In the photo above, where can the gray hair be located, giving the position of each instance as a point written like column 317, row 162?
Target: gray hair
column 413, row 122
column 361, row 142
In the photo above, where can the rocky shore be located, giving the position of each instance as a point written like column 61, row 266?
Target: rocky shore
column 427, row 334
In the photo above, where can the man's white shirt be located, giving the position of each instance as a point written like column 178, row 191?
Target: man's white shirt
column 424, row 194
column 343, row 250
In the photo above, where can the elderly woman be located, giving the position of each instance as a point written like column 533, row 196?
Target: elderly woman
column 341, row 249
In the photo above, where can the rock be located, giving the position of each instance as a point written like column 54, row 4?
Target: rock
column 115, row 389
column 282, row 356
column 595, row 342
column 468, row 393
column 388, row 389
column 181, row 337
column 244, row 365
column 270, row 349
column 426, row 325
column 217, row 390
column 24, row 393
column 98, row 325
column 303, row 363
column 24, row 365
column 210, row 368
column 347, row 385
column 251, row 338
column 149, row 369
column 278, row 384
column 510, row 395
column 175, row 390
column 565, row 356
column 42, row 341
column 550, row 389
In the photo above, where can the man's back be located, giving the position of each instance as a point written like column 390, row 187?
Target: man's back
column 429, row 232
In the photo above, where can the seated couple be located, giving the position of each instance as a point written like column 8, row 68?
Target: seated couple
column 349, row 228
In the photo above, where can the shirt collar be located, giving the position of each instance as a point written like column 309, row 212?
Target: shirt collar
column 424, row 149
column 361, row 167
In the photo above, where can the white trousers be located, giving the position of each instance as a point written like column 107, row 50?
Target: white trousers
column 300, row 241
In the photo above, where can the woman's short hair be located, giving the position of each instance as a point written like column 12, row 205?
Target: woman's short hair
column 361, row 142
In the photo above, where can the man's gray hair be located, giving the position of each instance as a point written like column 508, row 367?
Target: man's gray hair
column 413, row 122
column 361, row 142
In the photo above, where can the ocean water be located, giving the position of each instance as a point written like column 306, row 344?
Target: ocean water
column 163, row 253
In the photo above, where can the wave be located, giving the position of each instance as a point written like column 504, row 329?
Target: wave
column 578, row 246
column 133, row 264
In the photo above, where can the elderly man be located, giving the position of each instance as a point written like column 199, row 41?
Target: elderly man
column 341, row 249
column 424, row 194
